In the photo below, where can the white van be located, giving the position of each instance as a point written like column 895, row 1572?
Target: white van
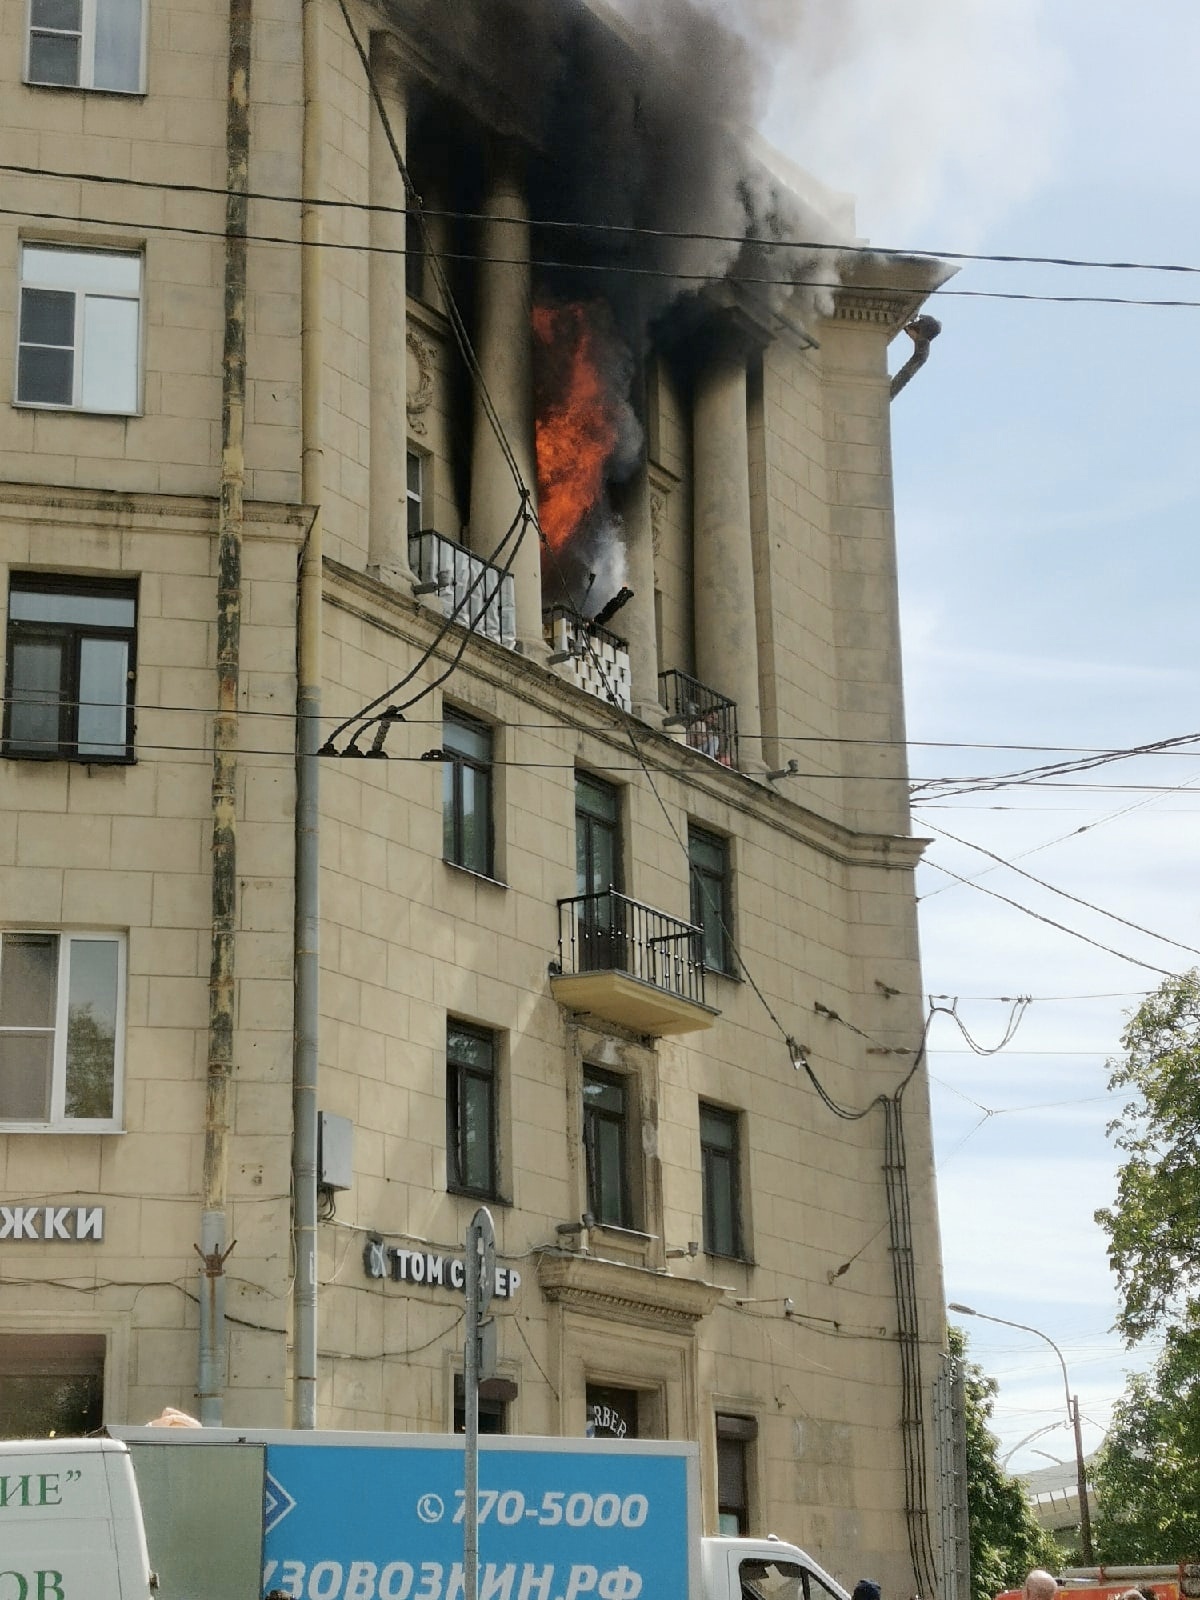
column 71, row 1522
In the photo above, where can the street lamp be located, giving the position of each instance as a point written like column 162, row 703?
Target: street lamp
column 1085, row 1515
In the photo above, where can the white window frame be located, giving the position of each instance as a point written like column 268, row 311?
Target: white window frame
column 86, row 34
column 75, row 282
column 59, row 1122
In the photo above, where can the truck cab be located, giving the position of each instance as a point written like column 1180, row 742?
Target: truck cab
column 70, row 1522
column 764, row 1569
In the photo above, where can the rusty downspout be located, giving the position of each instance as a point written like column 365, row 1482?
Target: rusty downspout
column 213, row 1248
column 922, row 331
column 308, row 740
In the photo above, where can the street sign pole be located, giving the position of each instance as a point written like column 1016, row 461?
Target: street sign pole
column 479, row 1270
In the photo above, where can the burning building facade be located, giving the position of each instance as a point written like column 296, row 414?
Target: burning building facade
column 589, row 893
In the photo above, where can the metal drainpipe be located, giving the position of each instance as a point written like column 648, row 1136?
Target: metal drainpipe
column 213, row 1249
column 308, row 740
column 922, row 331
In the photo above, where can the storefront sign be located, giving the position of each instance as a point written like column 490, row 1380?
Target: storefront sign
column 48, row 1223
column 430, row 1270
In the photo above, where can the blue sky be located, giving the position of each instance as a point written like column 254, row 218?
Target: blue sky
column 1048, row 503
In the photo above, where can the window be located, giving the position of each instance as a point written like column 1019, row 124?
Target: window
column 80, row 329
column 51, row 1384
column 86, row 44
column 597, row 870
column 606, row 1147
column 70, row 669
column 712, row 911
column 470, row 1109
column 467, row 793
column 62, row 1006
column 735, row 1436
column 597, row 835
column 612, row 1413
column 495, row 1395
column 720, row 1177
column 416, row 493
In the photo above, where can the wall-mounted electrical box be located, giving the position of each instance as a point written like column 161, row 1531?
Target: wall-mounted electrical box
column 335, row 1151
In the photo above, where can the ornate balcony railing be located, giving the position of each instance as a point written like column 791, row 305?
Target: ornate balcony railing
column 608, row 932
column 595, row 660
column 708, row 719
column 477, row 594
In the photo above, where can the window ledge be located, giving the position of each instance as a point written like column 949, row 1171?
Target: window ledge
column 75, row 761
column 739, row 1260
column 75, row 411
column 71, row 1129
column 80, row 88
column 479, row 1196
column 479, row 877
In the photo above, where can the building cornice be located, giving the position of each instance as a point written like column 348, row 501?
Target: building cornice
column 886, row 290
column 626, row 1293
column 396, row 613
column 59, row 503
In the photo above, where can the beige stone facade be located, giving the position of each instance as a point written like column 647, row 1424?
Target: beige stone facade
column 747, row 1298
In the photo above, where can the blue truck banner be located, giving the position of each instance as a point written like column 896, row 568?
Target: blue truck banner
column 558, row 1520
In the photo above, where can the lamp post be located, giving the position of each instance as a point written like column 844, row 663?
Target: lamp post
column 1085, row 1515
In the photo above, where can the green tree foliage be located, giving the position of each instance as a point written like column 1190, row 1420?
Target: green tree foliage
column 1005, row 1538
column 1154, row 1225
column 1147, row 1487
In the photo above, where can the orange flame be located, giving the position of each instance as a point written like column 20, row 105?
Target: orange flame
column 576, row 431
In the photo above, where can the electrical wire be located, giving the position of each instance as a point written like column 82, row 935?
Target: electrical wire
column 623, row 230
column 600, row 269
column 1051, row 923
column 1088, row 905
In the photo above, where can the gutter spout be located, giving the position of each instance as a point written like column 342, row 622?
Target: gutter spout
column 922, row 330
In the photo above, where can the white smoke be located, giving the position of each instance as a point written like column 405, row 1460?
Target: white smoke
column 930, row 112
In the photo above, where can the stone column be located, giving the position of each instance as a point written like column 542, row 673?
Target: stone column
column 636, row 621
column 387, row 528
column 723, row 558
column 504, row 346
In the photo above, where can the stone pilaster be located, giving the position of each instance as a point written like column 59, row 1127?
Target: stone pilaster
column 387, row 537
column 726, row 628
column 636, row 621
column 505, row 352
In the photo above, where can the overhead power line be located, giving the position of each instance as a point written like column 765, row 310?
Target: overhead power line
column 599, row 269
column 623, row 230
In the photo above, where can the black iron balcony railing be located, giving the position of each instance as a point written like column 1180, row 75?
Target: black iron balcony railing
column 709, row 719
column 477, row 594
column 597, row 661
column 608, row 932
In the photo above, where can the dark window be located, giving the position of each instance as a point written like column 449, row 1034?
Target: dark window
column 606, row 1147
column 467, row 793
column 470, row 1109
column 494, row 1397
column 70, row 669
column 719, row 1172
column 597, row 870
column 597, row 835
column 612, row 1413
column 416, row 493
column 51, row 1384
column 735, row 1435
column 708, row 857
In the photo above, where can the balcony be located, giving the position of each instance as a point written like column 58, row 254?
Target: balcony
column 593, row 659
column 471, row 590
column 708, row 719
column 630, row 964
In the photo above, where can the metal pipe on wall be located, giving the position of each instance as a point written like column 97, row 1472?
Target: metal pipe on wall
column 308, row 740
column 213, row 1227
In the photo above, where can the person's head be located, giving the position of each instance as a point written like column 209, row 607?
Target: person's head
column 1040, row 1585
column 865, row 1589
